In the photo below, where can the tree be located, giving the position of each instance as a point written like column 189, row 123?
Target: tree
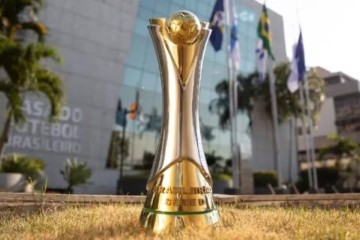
column 206, row 133
column 353, row 172
column 341, row 148
column 250, row 91
column 21, row 61
column 220, row 106
column 75, row 173
column 148, row 159
column 118, row 147
column 150, row 122
column 30, row 167
column 288, row 103
column 316, row 93
column 213, row 161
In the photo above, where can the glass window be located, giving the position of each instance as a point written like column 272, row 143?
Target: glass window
column 246, row 15
column 141, row 27
column 251, row 66
column 246, row 150
column 240, row 34
column 151, row 63
column 205, row 96
column 206, row 116
column 145, row 13
column 132, row 77
column 243, row 122
column 158, row 85
column 137, row 51
column 210, row 52
column 191, row 5
column 224, row 137
column 239, row 5
column 127, row 95
column 181, row 2
column 149, row 81
column 212, row 96
column 246, row 30
column 203, row 11
column 253, row 41
column 162, row 7
column 242, row 43
column 223, row 151
column 251, row 17
column 147, row 4
column 220, row 72
column 252, row 32
column 220, row 57
column 207, row 74
column 147, row 100
column 175, row 7
column 158, row 104
column 245, row 67
column 242, row 29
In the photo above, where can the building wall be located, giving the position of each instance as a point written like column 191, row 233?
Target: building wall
column 93, row 37
column 263, row 145
column 342, row 88
column 325, row 126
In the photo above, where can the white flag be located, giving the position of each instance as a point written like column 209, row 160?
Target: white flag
column 298, row 67
column 293, row 80
column 261, row 59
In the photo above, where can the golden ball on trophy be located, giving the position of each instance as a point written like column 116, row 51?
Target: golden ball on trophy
column 183, row 27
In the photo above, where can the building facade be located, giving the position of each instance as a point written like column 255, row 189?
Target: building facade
column 340, row 112
column 109, row 56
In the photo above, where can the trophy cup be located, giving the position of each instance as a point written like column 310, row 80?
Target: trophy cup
column 179, row 186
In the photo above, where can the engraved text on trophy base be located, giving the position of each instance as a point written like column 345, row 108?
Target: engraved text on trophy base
column 182, row 190
column 185, row 202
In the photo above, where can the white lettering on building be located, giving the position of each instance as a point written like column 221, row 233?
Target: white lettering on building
column 36, row 133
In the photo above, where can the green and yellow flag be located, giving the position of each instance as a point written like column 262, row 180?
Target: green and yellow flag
column 264, row 31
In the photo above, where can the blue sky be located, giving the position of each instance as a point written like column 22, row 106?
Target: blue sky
column 330, row 31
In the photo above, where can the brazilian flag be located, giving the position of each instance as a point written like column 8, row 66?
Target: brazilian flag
column 264, row 31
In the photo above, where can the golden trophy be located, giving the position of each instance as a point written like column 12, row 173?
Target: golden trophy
column 179, row 186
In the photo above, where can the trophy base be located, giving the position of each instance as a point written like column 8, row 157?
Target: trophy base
column 159, row 221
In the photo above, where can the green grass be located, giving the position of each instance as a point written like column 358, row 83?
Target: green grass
column 122, row 222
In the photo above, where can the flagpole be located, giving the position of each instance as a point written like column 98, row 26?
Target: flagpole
column 238, row 164
column 312, row 150
column 237, row 143
column 232, row 80
column 305, row 134
column 308, row 112
column 274, row 111
column 262, row 51
column 291, row 133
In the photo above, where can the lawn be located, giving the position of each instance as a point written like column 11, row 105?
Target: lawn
column 121, row 222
